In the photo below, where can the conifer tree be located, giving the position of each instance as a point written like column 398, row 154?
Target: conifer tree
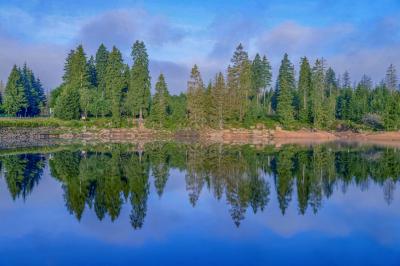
column 218, row 95
column 115, row 82
column 76, row 95
column 391, row 78
column 331, row 83
column 80, row 80
column 267, row 75
column 160, row 102
column 284, row 92
column 346, row 80
column 15, row 100
column 138, row 97
column 195, row 99
column 1, row 95
column 92, row 72
column 102, row 99
column 257, row 82
column 34, row 92
column 318, row 94
column 304, row 90
column 239, row 83
column 67, row 105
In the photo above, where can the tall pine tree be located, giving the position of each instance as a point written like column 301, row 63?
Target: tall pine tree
column 195, row 99
column 138, row 97
column 285, row 92
column 304, row 90
column 115, row 82
column 160, row 102
column 15, row 99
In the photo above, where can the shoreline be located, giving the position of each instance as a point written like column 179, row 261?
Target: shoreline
column 16, row 136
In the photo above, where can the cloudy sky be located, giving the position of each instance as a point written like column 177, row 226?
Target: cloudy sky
column 359, row 36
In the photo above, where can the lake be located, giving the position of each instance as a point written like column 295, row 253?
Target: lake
column 171, row 203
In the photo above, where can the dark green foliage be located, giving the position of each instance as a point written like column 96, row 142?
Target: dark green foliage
column 138, row 96
column 285, row 92
column 304, row 92
column 67, row 106
column 24, row 94
column 105, row 86
column 101, row 102
column 196, row 97
column 15, row 98
column 160, row 102
column 115, row 83
column 2, row 87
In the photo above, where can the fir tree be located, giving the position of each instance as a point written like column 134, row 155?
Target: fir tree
column 267, row 76
column 318, row 94
column 67, row 105
column 239, row 83
column 284, row 92
column 92, row 72
column 218, row 100
column 1, row 95
column 304, row 90
column 391, row 78
column 138, row 98
column 195, row 99
column 346, row 80
column 15, row 100
column 115, row 82
column 160, row 102
column 102, row 99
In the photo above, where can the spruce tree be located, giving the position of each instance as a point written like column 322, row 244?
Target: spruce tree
column 102, row 98
column 67, row 105
column 331, row 83
column 218, row 95
column 318, row 94
column 391, row 78
column 92, row 72
column 115, row 82
column 239, row 84
column 80, row 80
column 285, row 91
column 34, row 92
column 266, row 76
column 138, row 97
column 77, row 92
column 1, row 95
column 257, row 82
column 15, row 100
column 195, row 99
column 304, row 90
column 160, row 102
column 346, row 80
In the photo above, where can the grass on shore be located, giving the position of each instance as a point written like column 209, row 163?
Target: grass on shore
column 54, row 122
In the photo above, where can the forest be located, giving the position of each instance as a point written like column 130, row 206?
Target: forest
column 104, row 86
column 104, row 178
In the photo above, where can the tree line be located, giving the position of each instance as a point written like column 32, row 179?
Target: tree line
column 103, row 178
column 105, row 86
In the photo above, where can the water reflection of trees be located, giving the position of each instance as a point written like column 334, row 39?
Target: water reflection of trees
column 104, row 178
column 22, row 173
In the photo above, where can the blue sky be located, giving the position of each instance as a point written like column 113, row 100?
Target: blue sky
column 358, row 36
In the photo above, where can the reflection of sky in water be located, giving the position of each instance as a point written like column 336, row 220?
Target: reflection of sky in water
column 356, row 227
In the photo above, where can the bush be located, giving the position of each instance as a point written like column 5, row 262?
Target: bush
column 374, row 121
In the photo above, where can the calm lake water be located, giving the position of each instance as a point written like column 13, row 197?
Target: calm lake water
column 172, row 203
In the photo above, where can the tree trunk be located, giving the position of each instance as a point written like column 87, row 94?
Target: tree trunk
column 140, row 120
